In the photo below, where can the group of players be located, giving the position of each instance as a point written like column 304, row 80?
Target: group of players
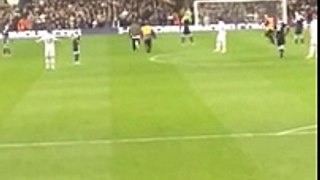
column 143, row 31
column 276, row 31
column 49, row 39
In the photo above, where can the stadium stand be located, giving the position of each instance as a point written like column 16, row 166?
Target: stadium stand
column 69, row 14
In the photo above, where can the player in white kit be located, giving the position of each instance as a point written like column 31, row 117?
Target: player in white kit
column 314, row 38
column 221, row 40
column 49, row 49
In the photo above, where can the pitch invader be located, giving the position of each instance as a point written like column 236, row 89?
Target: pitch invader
column 49, row 49
column 76, row 47
column 147, row 34
column 313, row 52
column 269, row 27
column 186, row 31
column 5, row 34
column 298, row 37
column 135, row 35
column 221, row 40
column 280, row 37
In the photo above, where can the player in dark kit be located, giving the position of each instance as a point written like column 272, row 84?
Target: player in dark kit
column 76, row 48
column 298, row 28
column 186, row 32
column 135, row 35
column 280, row 37
column 5, row 33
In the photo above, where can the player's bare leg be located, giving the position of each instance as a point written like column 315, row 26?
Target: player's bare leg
column 298, row 38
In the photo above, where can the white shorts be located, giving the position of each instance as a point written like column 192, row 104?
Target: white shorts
column 221, row 38
column 50, row 52
column 136, row 37
column 281, row 47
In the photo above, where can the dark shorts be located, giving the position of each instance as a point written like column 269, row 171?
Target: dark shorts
column 281, row 42
column 186, row 32
column 148, row 41
column 76, row 49
column 298, row 31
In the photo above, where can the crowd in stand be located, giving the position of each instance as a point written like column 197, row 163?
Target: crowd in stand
column 305, row 7
column 254, row 11
column 60, row 14
column 232, row 12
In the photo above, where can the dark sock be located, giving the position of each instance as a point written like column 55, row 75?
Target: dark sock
column 191, row 39
column 76, row 57
column 6, row 51
column 183, row 40
column 296, row 41
column 302, row 41
column 134, row 47
column 281, row 53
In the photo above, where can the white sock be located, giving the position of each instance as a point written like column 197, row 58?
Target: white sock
column 312, row 51
column 52, row 64
column 224, row 47
column 218, row 46
column 47, row 62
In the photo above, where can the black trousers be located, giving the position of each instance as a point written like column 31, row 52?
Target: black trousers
column 148, row 45
column 269, row 34
column 134, row 42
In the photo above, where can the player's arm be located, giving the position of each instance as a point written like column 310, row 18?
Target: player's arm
column 56, row 39
column 39, row 40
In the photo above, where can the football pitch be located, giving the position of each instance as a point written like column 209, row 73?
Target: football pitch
column 179, row 113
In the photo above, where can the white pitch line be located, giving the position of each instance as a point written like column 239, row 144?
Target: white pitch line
column 147, row 140
column 290, row 131
column 157, row 59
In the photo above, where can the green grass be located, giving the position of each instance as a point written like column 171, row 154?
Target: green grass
column 189, row 91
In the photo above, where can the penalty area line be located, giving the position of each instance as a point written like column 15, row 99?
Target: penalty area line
column 148, row 140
